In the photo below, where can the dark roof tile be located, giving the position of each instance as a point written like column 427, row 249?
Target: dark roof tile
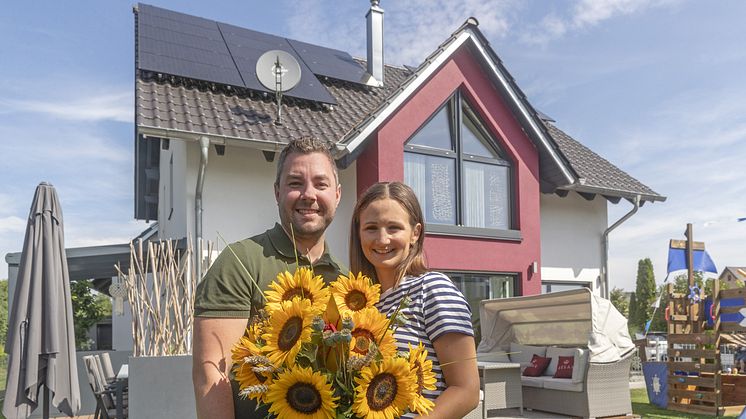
column 595, row 171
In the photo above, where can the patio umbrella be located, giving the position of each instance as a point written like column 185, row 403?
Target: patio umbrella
column 41, row 339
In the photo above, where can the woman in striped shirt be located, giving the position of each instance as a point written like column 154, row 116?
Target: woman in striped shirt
column 386, row 243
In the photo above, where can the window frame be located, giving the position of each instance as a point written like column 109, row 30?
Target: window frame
column 455, row 108
column 517, row 289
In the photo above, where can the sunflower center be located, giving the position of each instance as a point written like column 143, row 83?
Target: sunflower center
column 290, row 333
column 381, row 391
column 356, row 300
column 296, row 292
column 304, row 398
column 363, row 338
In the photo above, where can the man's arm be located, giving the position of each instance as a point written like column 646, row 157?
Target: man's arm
column 211, row 364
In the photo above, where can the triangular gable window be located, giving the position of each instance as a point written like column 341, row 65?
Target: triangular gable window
column 461, row 176
column 435, row 132
column 474, row 141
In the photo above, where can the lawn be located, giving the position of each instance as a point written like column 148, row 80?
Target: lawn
column 641, row 406
column 3, row 372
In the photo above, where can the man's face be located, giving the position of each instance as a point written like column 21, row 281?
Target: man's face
column 307, row 194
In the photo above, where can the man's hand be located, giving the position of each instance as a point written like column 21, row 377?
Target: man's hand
column 211, row 364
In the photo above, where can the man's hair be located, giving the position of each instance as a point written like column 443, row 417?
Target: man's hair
column 306, row 145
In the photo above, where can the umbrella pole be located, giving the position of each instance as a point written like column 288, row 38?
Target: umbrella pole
column 46, row 403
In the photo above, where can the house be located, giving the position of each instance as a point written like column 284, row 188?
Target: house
column 732, row 274
column 514, row 206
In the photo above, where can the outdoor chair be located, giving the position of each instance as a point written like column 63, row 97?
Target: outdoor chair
column 109, row 379
column 107, row 368
column 105, row 396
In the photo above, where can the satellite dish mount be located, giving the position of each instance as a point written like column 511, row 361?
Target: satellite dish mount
column 279, row 72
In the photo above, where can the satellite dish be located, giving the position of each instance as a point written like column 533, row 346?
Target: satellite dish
column 278, row 71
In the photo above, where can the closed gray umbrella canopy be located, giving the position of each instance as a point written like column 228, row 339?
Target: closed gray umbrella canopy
column 41, row 338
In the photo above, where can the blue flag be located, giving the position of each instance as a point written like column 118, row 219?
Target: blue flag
column 701, row 260
column 647, row 325
column 656, row 381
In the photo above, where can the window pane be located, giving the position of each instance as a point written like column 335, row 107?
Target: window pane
column 478, row 287
column 433, row 179
column 486, row 195
column 436, row 133
column 560, row 286
column 473, row 142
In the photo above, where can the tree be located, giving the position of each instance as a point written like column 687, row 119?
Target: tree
column 659, row 323
column 645, row 293
column 3, row 313
column 632, row 315
column 88, row 310
column 619, row 299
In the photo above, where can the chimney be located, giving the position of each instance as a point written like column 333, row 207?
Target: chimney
column 375, row 41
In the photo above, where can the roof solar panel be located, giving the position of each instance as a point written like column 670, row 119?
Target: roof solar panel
column 246, row 46
column 329, row 62
column 183, row 45
column 193, row 47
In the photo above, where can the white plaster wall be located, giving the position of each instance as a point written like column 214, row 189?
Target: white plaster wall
column 571, row 231
column 172, row 208
column 239, row 202
column 121, row 329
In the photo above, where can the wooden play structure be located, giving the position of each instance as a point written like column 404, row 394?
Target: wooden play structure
column 696, row 383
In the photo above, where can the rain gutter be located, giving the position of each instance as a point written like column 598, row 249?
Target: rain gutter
column 204, row 144
column 605, row 243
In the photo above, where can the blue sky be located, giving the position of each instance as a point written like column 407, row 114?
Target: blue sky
column 656, row 86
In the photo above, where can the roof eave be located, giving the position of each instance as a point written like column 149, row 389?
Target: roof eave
column 215, row 139
column 626, row 194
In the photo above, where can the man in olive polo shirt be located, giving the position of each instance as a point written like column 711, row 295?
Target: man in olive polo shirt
column 307, row 191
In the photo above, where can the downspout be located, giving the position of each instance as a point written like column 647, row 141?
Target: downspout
column 204, row 144
column 605, row 243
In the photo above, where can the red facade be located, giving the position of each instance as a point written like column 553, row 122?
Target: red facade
column 383, row 160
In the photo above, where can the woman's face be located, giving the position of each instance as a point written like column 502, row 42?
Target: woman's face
column 386, row 235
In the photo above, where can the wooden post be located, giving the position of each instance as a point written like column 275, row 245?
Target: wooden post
column 693, row 313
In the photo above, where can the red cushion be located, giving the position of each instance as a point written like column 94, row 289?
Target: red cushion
column 564, row 367
column 538, row 365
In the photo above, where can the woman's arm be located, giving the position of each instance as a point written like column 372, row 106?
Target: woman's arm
column 462, row 394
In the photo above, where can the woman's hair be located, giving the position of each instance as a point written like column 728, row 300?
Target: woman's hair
column 414, row 264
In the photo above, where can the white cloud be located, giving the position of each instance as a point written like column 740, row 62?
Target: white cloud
column 692, row 151
column 12, row 224
column 413, row 29
column 104, row 107
column 585, row 14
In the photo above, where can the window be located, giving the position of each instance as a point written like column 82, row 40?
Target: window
column 483, row 286
column 548, row 286
column 460, row 175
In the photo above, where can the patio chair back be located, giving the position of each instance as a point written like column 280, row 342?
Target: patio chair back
column 106, row 367
column 105, row 401
column 98, row 384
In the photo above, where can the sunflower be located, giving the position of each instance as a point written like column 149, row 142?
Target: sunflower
column 246, row 356
column 301, row 392
column 302, row 284
column 355, row 293
column 370, row 326
column 384, row 390
column 422, row 370
column 289, row 327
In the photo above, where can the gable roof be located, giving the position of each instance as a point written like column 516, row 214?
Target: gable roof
column 178, row 107
column 738, row 272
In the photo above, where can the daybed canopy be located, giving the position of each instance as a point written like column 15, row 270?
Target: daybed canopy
column 575, row 318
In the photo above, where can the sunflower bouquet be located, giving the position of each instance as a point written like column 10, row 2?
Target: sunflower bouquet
column 321, row 351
